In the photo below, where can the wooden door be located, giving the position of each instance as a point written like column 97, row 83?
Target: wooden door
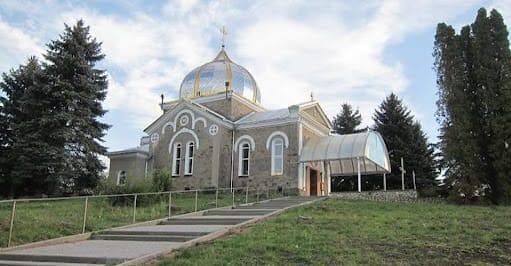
column 313, row 182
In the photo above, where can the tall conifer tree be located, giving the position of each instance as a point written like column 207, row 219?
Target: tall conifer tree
column 404, row 139
column 347, row 121
column 27, row 153
column 51, row 133
column 78, row 88
column 474, row 80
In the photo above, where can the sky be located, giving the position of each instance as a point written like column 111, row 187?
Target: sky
column 354, row 52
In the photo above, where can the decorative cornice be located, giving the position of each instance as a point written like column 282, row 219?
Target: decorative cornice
column 221, row 95
column 164, row 118
column 276, row 122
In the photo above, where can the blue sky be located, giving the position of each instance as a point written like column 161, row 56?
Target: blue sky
column 342, row 51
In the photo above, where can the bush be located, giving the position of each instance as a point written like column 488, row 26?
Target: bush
column 132, row 186
column 159, row 181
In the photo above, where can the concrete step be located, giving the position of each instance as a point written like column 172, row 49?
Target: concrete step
column 264, row 206
column 210, row 221
column 168, row 238
column 248, row 207
column 290, row 201
column 28, row 263
column 238, row 212
column 269, row 205
column 149, row 233
column 15, row 258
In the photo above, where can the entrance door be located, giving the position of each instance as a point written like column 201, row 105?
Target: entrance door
column 313, row 183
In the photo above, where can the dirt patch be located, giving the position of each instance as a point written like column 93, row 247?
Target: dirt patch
column 409, row 253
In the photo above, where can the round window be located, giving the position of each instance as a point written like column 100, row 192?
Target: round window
column 155, row 137
column 213, row 130
column 184, row 120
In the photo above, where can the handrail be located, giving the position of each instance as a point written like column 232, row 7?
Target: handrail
column 240, row 195
column 114, row 195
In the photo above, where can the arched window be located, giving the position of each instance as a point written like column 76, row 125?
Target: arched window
column 244, row 159
column 189, row 158
column 121, row 178
column 176, row 161
column 277, row 156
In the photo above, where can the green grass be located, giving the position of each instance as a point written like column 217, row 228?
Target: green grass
column 41, row 220
column 342, row 232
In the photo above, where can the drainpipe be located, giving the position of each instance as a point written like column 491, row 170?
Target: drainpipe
column 232, row 158
column 145, row 171
column 147, row 165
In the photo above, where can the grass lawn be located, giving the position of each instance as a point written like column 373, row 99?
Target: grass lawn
column 344, row 232
column 41, row 220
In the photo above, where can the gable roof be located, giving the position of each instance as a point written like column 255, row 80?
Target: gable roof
column 314, row 104
column 266, row 116
column 195, row 107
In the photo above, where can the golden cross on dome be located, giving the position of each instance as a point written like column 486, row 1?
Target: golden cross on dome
column 224, row 33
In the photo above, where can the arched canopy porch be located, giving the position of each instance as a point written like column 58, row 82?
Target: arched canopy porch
column 347, row 155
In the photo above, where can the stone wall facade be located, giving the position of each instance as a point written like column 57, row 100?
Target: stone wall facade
column 379, row 195
column 208, row 148
column 133, row 164
column 232, row 107
column 212, row 156
column 260, row 158
column 217, row 141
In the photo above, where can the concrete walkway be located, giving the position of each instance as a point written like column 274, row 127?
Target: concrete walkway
column 134, row 245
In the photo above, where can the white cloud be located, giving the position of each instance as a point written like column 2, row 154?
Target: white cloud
column 335, row 49
column 339, row 60
column 149, row 56
column 16, row 46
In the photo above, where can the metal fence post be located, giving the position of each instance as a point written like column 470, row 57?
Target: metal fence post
column 233, row 198
column 11, row 228
column 85, row 214
column 246, row 196
column 257, row 195
column 170, row 204
column 196, row 198
column 135, row 208
column 216, row 198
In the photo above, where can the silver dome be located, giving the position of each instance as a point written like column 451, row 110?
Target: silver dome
column 210, row 79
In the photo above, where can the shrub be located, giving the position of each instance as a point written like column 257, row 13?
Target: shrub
column 161, row 180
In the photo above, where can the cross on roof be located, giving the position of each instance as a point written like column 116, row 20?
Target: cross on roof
column 224, row 33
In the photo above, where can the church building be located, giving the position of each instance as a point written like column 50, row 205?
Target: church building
column 218, row 135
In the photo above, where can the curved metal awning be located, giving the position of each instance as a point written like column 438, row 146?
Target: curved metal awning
column 344, row 152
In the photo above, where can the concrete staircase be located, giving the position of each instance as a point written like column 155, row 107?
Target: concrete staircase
column 120, row 245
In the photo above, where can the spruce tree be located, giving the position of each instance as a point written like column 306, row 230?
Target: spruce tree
column 50, row 130
column 78, row 87
column 424, row 157
column 25, row 149
column 404, row 139
column 347, row 121
column 474, row 80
